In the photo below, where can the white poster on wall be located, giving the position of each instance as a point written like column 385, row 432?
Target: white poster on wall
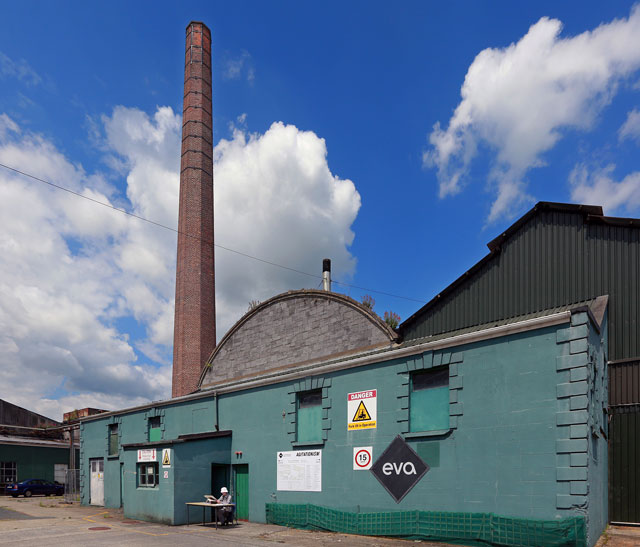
column 147, row 455
column 299, row 470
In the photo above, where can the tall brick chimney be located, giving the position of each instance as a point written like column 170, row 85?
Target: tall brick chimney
column 194, row 335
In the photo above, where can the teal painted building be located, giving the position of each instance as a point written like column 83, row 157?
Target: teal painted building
column 32, row 446
column 509, row 415
column 23, row 458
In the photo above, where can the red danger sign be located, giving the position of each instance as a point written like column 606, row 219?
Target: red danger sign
column 361, row 395
column 362, row 458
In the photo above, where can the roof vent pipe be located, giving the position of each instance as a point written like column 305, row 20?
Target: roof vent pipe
column 326, row 274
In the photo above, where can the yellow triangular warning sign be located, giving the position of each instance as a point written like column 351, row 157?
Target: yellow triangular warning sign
column 165, row 458
column 362, row 414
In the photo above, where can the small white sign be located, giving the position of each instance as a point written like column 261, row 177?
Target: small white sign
column 166, row 474
column 147, row 455
column 362, row 409
column 362, row 458
column 166, row 457
column 299, row 470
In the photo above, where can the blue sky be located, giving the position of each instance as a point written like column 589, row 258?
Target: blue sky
column 327, row 145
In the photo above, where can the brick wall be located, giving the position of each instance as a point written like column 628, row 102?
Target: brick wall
column 194, row 326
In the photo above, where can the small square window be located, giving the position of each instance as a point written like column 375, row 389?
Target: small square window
column 148, row 474
column 309, row 419
column 113, row 439
column 429, row 400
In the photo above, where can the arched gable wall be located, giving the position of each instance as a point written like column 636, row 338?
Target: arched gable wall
column 294, row 328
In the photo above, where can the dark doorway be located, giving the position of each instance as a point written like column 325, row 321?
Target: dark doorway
column 219, row 478
column 241, row 473
column 624, row 442
column 121, row 484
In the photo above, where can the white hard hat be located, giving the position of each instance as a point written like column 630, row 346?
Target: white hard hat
column 224, row 490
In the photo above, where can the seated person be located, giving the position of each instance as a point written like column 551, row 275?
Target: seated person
column 227, row 512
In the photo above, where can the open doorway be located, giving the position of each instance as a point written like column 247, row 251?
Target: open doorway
column 219, row 478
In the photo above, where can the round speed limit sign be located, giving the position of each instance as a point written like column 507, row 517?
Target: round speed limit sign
column 362, row 458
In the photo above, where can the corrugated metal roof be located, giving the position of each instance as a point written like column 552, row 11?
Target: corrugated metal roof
column 555, row 255
column 31, row 441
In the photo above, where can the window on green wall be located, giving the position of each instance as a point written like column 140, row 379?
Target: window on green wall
column 8, row 472
column 309, row 419
column 148, row 474
column 113, row 439
column 155, row 431
column 429, row 402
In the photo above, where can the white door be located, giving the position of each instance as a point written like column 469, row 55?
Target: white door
column 60, row 472
column 97, row 482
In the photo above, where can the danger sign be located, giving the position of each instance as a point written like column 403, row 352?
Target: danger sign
column 166, row 457
column 361, row 410
column 362, row 458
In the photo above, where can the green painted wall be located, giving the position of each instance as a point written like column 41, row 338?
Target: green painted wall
column 192, row 472
column 501, row 455
column 189, row 475
column 34, row 462
column 598, row 493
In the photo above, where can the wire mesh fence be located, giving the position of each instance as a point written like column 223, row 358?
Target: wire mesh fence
column 465, row 528
column 72, row 486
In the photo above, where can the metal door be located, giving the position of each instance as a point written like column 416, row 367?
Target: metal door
column 624, row 442
column 242, row 491
column 97, row 482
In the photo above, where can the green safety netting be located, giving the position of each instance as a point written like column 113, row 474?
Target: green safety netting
column 459, row 528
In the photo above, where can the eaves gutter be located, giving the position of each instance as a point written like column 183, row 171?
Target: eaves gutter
column 453, row 341
column 325, row 368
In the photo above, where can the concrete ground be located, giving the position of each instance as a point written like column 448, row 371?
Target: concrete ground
column 620, row 536
column 44, row 520
column 51, row 521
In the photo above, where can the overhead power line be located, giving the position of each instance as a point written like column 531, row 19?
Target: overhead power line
column 160, row 225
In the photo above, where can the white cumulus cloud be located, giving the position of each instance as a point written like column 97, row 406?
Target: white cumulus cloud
column 518, row 100
column 277, row 199
column 598, row 187
column 631, row 127
column 76, row 275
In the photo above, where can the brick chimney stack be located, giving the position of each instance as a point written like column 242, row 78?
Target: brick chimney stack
column 194, row 334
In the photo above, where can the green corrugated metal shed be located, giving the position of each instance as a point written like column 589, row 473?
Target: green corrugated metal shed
column 555, row 255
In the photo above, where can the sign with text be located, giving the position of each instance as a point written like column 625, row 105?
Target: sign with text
column 147, row 455
column 362, row 410
column 399, row 468
column 299, row 470
column 362, row 458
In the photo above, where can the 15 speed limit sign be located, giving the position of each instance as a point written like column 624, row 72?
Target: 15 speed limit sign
column 362, row 458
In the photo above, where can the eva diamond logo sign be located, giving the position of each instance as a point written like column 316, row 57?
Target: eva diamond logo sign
column 399, row 469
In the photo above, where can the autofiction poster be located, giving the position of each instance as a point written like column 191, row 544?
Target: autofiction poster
column 299, row 470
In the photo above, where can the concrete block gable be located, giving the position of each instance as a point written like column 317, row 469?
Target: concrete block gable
column 295, row 328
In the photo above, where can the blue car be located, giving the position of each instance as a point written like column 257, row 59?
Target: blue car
column 32, row 487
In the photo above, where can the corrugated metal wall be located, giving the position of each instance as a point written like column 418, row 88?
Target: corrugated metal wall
column 555, row 259
column 624, row 444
